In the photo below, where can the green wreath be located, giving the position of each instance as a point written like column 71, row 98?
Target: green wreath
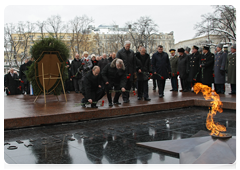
column 47, row 44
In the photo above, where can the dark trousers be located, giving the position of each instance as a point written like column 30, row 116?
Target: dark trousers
column 26, row 87
column 108, row 88
column 77, row 84
column 125, row 95
column 154, row 83
column 174, row 83
column 161, row 86
column 95, row 96
column 143, row 89
column 219, row 88
column 233, row 88
column 184, row 84
column 67, row 85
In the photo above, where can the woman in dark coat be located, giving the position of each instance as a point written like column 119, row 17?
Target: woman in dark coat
column 143, row 70
column 114, row 75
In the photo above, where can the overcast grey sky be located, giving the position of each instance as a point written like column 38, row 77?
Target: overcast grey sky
column 178, row 18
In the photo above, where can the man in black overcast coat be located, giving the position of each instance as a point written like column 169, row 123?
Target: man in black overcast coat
column 193, row 66
column 206, row 67
column 92, row 90
column 77, row 75
column 22, row 77
column 129, row 60
column 161, row 68
column 182, row 69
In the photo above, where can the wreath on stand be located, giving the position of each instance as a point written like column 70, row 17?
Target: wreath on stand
column 47, row 44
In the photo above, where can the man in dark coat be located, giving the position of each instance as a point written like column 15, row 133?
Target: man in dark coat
column 22, row 77
column 114, row 75
column 76, row 73
column 219, row 70
column 112, row 57
column 231, row 69
column 11, row 83
column 68, row 80
column 187, row 52
column 193, row 66
column 129, row 60
column 92, row 90
column 103, row 62
column 143, row 70
column 206, row 67
column 161, row 67
column 174, row 64
column 182, row 69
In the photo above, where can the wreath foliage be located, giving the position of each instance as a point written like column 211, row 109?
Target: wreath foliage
column 47, row 44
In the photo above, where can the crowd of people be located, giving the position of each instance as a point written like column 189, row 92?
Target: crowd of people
column 122, row 73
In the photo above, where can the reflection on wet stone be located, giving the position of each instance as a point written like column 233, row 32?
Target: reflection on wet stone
column 113, row 142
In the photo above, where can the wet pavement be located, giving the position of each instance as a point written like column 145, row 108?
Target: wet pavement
column 25, row 113
column 109, row 141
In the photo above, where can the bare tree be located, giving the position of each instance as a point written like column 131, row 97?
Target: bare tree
column 12, row 42
column 79, row 27
column 142, row 30
column 41, row 27
column 55, row 26
column 221, row 22
column 26, row 32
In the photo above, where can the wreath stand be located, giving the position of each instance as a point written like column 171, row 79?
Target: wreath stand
column 54, row 77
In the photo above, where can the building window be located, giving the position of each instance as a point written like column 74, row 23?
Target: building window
column 46, row 36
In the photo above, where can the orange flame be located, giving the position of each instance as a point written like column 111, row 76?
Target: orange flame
column 216, row 105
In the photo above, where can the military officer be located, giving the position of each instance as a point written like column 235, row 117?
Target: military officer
column 182, row 69
column 219, row 70
column 174, row 64
column 206, row 67
column 193, row 66
column 231, row 68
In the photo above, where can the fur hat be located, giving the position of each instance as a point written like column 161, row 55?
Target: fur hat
column 181, row 50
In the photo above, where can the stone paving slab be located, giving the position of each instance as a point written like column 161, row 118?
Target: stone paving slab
column 26, row 113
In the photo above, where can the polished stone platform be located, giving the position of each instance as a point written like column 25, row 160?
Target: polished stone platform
column 198, row 150
column 20, row 111
column 113, row 140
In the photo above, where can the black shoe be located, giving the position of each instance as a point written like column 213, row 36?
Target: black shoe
column 147, row 99
column 175, row 90
column 139, row 98
column 110, row 104
column 154, row 88
column 68, row 92
column 160, row 96
column 84, row 106
column 172, row 90
column 185, row 90
column 76, row 91
column 125, row 101
column 117, row 103
column 231, row 93
column 94, row 106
